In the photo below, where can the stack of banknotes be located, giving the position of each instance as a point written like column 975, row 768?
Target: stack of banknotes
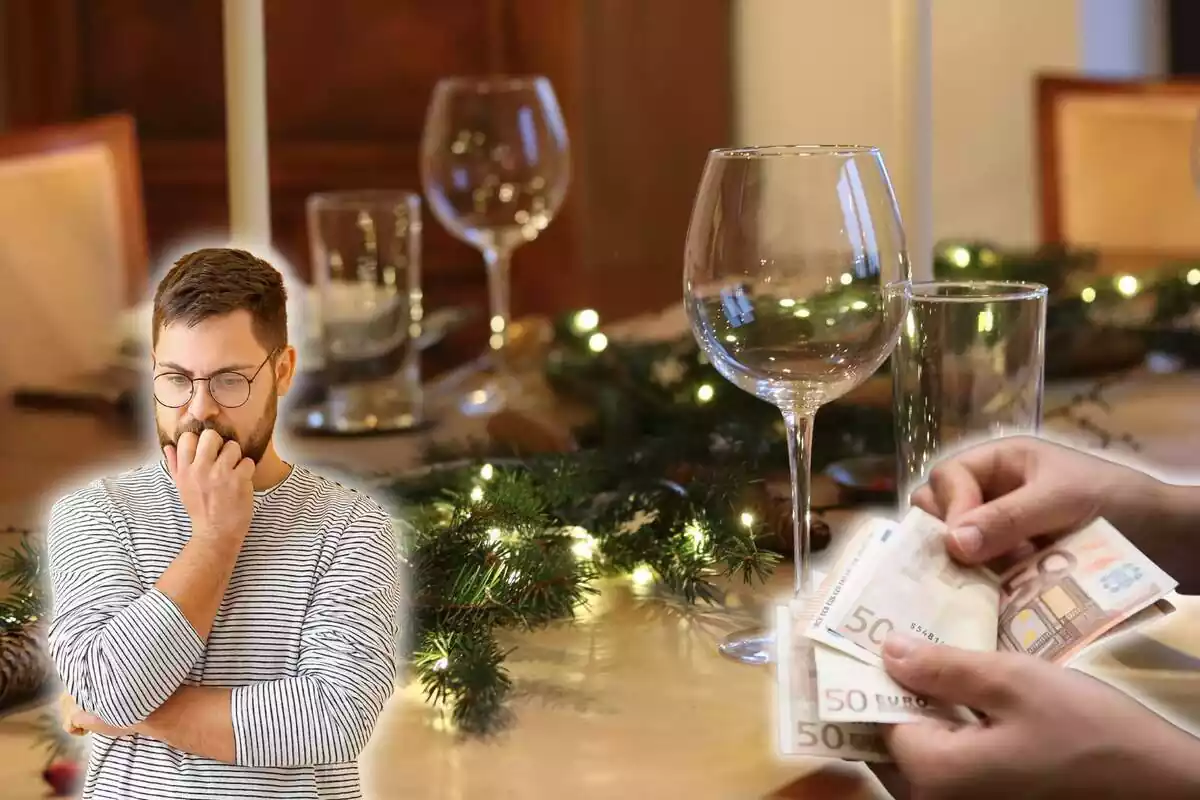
column 897, row 576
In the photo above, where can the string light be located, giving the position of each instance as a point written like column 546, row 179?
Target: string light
column 477, row 494
column 441, row 664
column 597, row 342
column 584, row 548
column 787, row 302
column 705, row 392
column 642, row 575
column 859, row 305
column 961, row 257
column 494, row 535
column 1193, row 277
column 747, row 519
column 1127, row 285
column 694, row 530
column 585, row 321
column 487, row 472
column 987, row 321
column 847, row 279
column 1088, row 295
column 801, row 313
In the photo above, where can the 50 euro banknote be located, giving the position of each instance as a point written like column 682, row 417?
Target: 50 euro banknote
column 1051, row 605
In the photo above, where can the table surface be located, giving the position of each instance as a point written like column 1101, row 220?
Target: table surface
column 630, row 699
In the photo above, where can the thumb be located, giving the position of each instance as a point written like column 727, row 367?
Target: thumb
column 987, row 682
column 1002, row 525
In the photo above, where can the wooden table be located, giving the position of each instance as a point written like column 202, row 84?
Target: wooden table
column 630, row 700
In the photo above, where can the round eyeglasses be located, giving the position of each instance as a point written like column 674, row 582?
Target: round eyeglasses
column 228, row 389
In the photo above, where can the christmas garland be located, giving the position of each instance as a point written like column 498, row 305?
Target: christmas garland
column 667, row 480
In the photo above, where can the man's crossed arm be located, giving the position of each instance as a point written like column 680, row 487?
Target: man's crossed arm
column 124, row 653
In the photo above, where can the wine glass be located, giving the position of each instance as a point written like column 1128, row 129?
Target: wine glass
column 796, row 282
column 495, row 164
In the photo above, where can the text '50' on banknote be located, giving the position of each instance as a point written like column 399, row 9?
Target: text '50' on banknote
column 902, row 579
column 1068, row 595
column 801, row 729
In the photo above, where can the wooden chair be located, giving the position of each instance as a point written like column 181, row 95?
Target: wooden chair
column 1116, row 167
column 73, row 249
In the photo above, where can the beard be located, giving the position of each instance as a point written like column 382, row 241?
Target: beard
column 253, row 447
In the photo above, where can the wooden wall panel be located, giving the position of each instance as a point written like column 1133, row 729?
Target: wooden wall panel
column 645, row 88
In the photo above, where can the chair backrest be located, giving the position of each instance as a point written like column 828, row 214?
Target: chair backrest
column 73, row 249
column 1116, row 165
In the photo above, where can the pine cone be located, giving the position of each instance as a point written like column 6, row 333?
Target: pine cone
column 25, row 668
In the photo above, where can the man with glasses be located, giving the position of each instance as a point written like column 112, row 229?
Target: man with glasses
column 223, row 622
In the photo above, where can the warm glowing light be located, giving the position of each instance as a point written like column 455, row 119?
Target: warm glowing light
column 586, row 321
column 787, row 302
column 1088, row 295
column 747, row 519
column 961, row 257
column 487, row 472
column 477, row 494
column 584, row 548
column 729, row 337
column 597, row 342
column 642, row 575
column 496, row 341
column 847, row 279
column 1127, row 285
column 441, row 663
column 494, row 535
column 497, row 324
column 859, row 305
column 705, row 392
column 987, row 320
column 802, row 313
column 1193, row 277
column 910, row 325
column 696, row 533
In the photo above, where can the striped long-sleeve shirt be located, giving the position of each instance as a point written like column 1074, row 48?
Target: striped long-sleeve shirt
column 306, row 635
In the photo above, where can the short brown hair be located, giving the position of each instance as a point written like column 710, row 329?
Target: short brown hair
column 217, row 280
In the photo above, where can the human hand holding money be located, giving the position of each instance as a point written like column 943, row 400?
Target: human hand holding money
column 898, row 578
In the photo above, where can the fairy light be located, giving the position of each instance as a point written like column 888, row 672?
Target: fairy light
column 477, row 494
column 859, row 305
column 583, row 548
column 747, row 519
column 597, row 342
column 1193, row 277
column 802, row 313
column 986, row 321
column 487, row 472
column 847, row 279
column 585, row 321
column 642, row 575
column 961, row 257
column 705, row 392
column 441, row 664
column 729, row 337
column 494, row 535
column 1088, row 295
column 696, row 533
column 1127, row 285
column 787, row 302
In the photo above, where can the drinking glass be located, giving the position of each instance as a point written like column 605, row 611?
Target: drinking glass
column 796, row 282
column 970, row 365
column 495, row 165
column 366, row 256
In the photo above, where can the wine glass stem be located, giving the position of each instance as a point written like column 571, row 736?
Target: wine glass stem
column 498, row 261
column 799, row 431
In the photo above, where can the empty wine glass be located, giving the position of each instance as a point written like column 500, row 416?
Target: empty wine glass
column 495, row 165
column 796, row 282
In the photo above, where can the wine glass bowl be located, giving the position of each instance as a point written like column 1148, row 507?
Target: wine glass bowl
column 796, row 285
column 495, row 167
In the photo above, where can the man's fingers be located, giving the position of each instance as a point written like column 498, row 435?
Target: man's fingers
column 988, row 682
column 924, row 499
column 956, row 488
column 209, row 446
column 185, row 449
column 231, row 454
column 999, row 526
column 934, row 750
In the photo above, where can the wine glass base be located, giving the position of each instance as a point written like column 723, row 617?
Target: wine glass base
column 755, row 646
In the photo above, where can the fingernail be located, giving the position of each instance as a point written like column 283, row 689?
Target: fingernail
column 898, row 645
column 969, row 539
